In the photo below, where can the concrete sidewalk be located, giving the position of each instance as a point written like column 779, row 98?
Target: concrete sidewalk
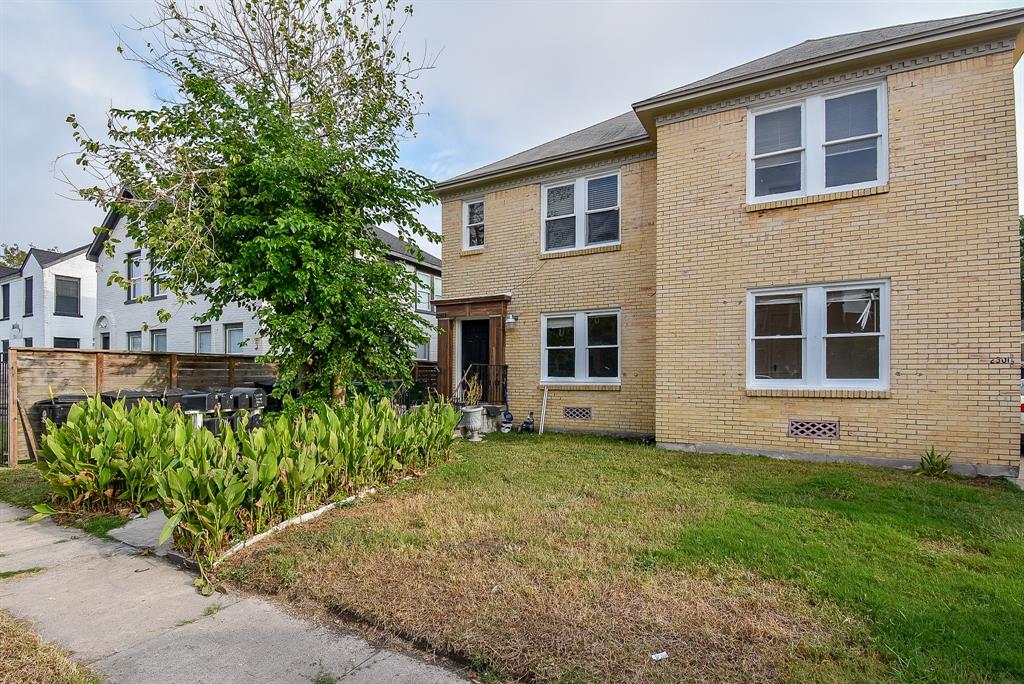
column 137, row 619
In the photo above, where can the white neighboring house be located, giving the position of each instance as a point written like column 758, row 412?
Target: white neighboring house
column 122, row 322
column 50, row 301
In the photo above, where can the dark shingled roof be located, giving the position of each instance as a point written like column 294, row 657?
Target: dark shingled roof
column 824, row 48
column 619, row 130
column 6, row 271
column 627, row 128
column 45, row 257
column 404, row 251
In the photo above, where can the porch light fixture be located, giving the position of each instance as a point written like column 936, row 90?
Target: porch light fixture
column 510, row 320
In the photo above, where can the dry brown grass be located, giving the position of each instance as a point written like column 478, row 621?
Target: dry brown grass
column 27, row 659
column 544, row 586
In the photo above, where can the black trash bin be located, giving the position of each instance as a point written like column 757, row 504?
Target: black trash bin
column 58, row 408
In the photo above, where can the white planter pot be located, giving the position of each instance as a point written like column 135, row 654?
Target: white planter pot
column 474, row 420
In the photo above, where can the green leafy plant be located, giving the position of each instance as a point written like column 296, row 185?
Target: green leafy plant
column 934, row 464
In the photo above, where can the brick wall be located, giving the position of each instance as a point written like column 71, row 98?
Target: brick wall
column 945, row 234
column 624, row 278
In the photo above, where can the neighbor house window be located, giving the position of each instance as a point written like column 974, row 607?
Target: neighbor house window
column 158, row 340
column 5, row 294
column 28, row 341
column 67, row 296
column 423, row 352
column 423, row 291
column 66, row 342
column 203, row 339
column 819, row 336
column 473, row 224
column 580, row 213
column 28, row 296
column 824, row 143
column 580, row 347
column 156, row 279
column 233, row 339
column 133, row 274
column 135, row 341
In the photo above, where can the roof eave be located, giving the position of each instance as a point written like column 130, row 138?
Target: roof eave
column 647, row 110
column 447, row 187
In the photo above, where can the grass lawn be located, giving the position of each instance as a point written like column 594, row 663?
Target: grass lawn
column 24, row 486
column 573, row 559
column 29, row 660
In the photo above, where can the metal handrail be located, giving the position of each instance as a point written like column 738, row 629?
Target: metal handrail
column 494, row 380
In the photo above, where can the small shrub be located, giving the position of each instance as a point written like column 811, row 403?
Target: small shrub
column 934, row 464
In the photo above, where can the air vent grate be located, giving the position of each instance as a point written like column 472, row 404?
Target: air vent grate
column 578, row 413
column 814, row 429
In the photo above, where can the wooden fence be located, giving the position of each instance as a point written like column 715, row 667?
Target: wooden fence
column 34, row 374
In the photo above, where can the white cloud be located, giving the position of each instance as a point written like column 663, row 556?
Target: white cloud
column 511, row 75
column 56, row 59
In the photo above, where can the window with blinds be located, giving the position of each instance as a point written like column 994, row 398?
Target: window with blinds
column 67, row 299
column 580, row 213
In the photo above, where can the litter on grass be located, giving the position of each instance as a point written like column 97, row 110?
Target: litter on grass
column 659, row 656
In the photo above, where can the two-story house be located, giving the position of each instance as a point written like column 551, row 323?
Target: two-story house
column 126, row 318
column 49, row 301
column 811, row 255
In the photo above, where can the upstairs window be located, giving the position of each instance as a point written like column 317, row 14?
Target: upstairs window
column 5, row 304
column 67, row 296
column 29, row 296
column 819, row 336
column 133, row 274
column 423, row 291
column 581, row 213
column 473, row 224
column 156, row 280
column 825, row 143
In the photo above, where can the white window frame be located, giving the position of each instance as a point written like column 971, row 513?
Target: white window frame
column 228, row 329
column 133, row 271
column 196, row 332
column 814, row 333
column 133, row 335
column 580, row 344
column 580, row 199
column 153, row 336
column 813, row 144
column 466, row 226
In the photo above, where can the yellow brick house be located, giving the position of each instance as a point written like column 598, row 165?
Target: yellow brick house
column 811, row 255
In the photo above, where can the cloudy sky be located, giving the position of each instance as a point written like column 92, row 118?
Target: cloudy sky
column 510, row 75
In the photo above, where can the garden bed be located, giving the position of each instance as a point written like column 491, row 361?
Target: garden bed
column 562, row 558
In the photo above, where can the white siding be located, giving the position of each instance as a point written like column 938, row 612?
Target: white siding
column 42, row 326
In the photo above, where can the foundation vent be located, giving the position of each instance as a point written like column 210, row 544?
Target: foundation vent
column 578, row 413
column 814, row 429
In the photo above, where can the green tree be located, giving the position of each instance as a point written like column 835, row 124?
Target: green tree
column 259, row 182
column 12, row 255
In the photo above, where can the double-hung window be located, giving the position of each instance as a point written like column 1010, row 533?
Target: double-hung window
column 203, row 336
column 825, row 143
column 580, row 213
column 134, row 341
column 423, row 291
column 819, row 336
column 234, row 339
column 67, row 296
column 133, row 261
column 5, row 304
column 473, row 224
column 158, row 340
column 580, row 347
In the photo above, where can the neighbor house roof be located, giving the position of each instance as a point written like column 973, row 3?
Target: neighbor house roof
column 405, row 252
column 397, row 248
column 635, row 127
column 45, row 257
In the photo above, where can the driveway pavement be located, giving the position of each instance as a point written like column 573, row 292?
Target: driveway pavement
column 137, row 619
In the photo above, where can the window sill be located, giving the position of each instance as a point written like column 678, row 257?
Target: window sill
column 596, row 249
column 821, row 393
column 157, row 298
column 470, row 251
column 28, row 315
column 582, row 386
column 67, row 315
column 815, row 199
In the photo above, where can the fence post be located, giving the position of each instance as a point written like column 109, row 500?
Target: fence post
column 231, row 371
column 172, row 371
column 100, row 359
column 12, row 408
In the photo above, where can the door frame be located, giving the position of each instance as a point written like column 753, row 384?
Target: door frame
column 457, row 366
